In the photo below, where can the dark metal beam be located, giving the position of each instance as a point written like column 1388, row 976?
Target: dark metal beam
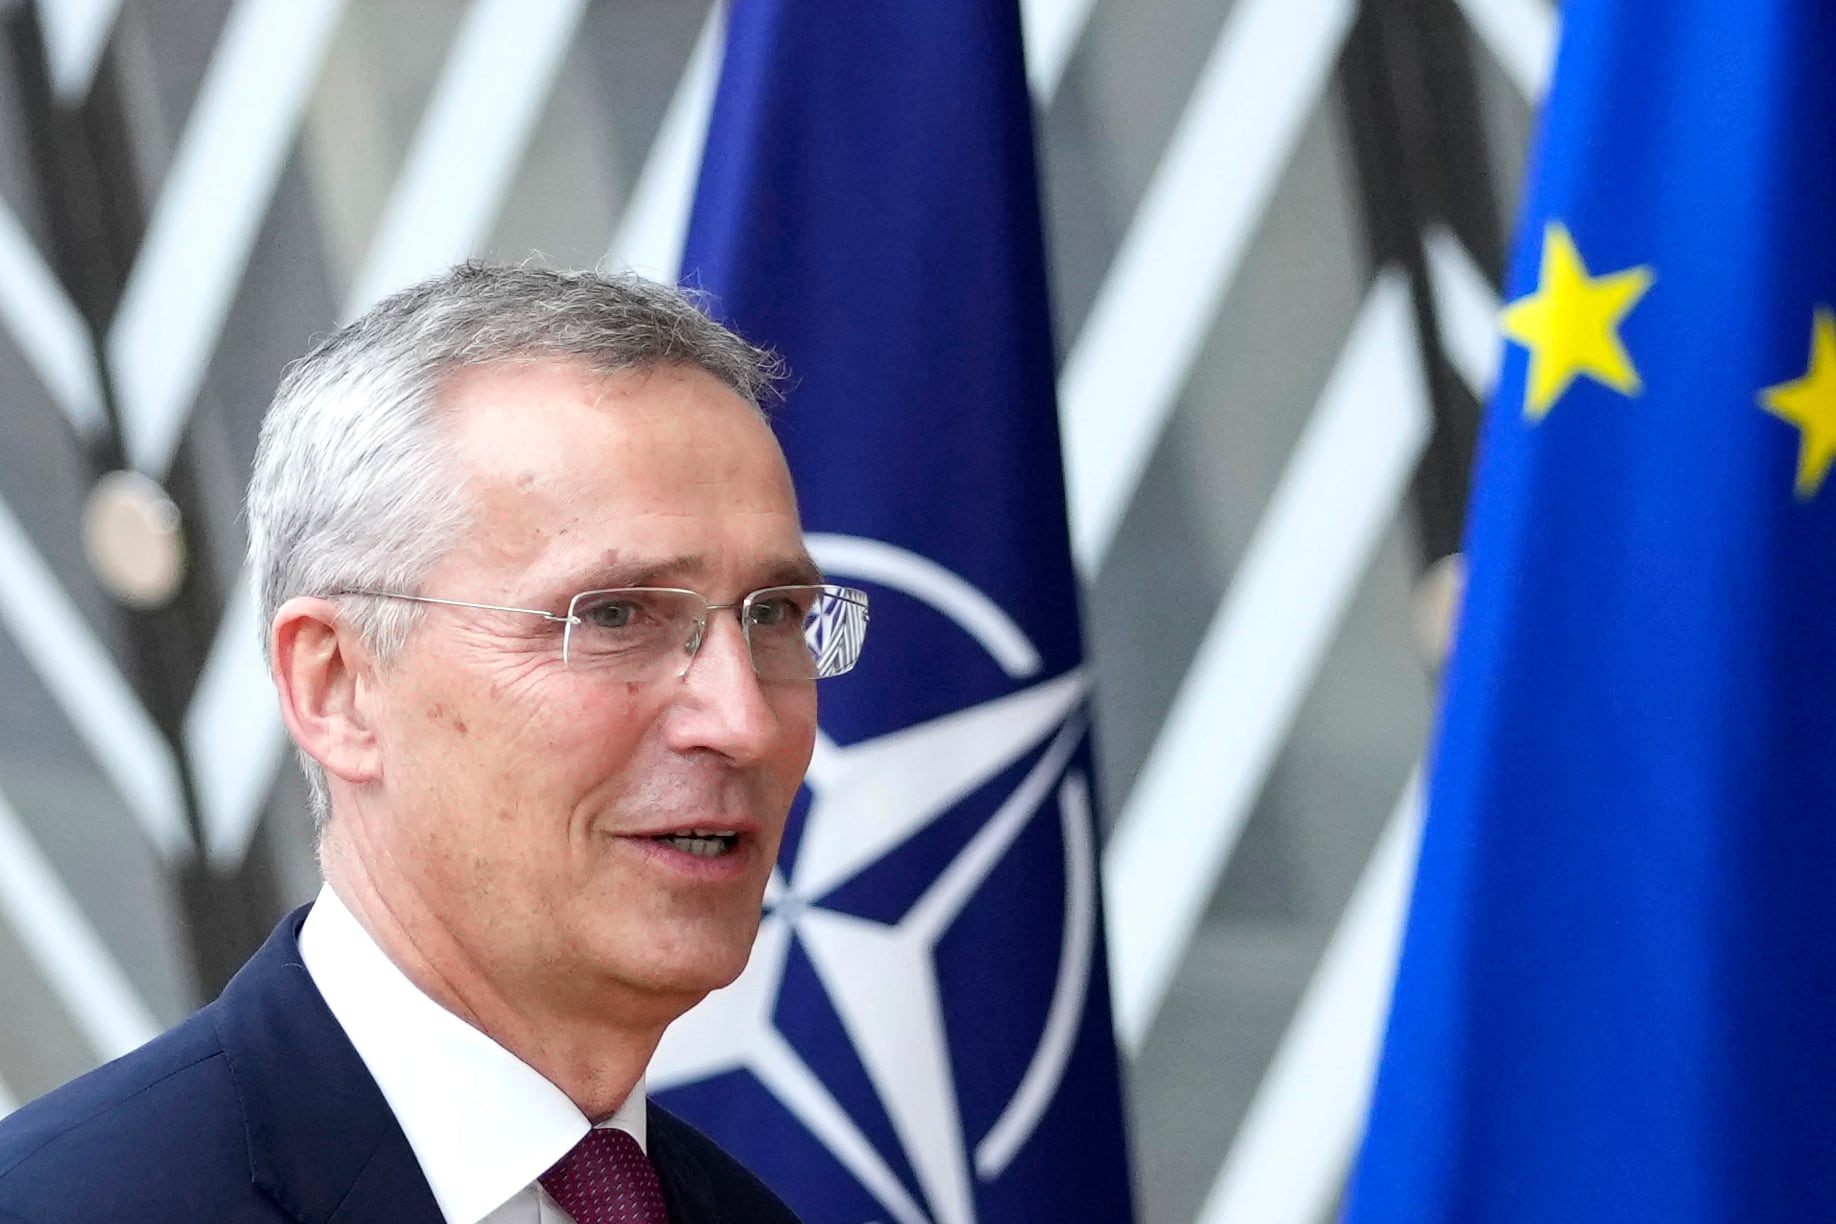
column 1411, row 109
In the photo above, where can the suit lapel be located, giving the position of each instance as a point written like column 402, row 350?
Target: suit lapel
column 391, row 1187
column 687, row 1189
column 322, row 1141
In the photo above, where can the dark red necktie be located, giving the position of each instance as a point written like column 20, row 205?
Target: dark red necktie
column 607, row 1179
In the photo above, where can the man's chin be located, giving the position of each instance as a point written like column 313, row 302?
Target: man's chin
column 694, row 972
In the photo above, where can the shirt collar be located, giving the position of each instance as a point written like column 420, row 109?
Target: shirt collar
column 483, row 1124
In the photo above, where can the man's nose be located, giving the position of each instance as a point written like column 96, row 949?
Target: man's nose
column 723, row 706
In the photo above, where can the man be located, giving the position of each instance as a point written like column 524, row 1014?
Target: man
column 546, row 635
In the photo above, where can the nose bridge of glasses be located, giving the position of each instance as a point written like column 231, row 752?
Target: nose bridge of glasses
column 698, row 626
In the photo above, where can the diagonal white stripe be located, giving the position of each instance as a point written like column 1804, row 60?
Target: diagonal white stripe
column 1052, row 29
column 9, row 1101
column 1522, row 35
column 1466, row 308
column 51, row 334
column 234, row 737
column 208, row 215
column 470, row 142
column 75, row 32
column 471, row 139
column 77, row 965
column 1227, row 724
column 655, row 219
column 82, row 678
column 1289, row 1161
column 1267, row 72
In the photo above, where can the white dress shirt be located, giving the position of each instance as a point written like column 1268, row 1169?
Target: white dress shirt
column 483, row 1124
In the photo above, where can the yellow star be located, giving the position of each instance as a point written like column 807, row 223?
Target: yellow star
column 1571, row 324
column 1810, row 404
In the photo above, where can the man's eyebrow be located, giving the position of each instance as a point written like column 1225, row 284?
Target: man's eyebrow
column 793, row 571
column 686, row 568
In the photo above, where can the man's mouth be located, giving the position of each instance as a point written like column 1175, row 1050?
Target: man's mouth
column 702, row 843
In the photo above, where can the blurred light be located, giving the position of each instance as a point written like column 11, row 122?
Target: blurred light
column 135, row 540
column 1436, row 613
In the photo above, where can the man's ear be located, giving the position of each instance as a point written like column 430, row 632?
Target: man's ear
column 323, row 670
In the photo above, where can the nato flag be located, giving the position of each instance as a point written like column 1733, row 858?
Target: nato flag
column 923, row 1033
column 1617, row 996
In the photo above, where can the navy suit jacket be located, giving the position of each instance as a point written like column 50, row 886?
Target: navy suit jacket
column 258, row 1108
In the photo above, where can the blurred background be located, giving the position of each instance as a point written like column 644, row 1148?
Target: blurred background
column 1275, row 231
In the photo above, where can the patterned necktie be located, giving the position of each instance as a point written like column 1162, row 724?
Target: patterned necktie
column 607, row 1179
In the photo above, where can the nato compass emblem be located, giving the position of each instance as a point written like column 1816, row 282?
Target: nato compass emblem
column 942, row 804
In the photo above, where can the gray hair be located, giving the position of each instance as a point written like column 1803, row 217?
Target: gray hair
column 353, row 486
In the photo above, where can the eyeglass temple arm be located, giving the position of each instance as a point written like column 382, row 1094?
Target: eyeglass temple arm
column 462, row 603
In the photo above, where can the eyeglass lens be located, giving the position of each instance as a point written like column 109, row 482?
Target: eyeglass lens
column 793, row 632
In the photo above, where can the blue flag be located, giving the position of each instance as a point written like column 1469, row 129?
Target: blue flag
column 1617, row 996
column 923, row 1033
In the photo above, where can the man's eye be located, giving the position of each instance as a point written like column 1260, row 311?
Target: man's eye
column 779, row 611
column 611, row 615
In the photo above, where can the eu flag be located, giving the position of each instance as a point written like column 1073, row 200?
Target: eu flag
column 923, row 1033
column 1617, row 996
